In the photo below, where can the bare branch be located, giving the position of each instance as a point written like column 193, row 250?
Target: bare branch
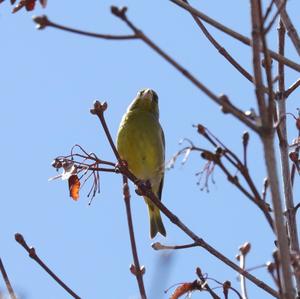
column 292, row 88
column 241, row 257
column 32, row 253
column 7, row 282
column 204, row 282
column 221, row 50
column 234, row 34
column 282, row 5
column 291, row 30
column 159, row 246
column 256, row 60
column 268, row 11
column 137, row 269
column 43, row 22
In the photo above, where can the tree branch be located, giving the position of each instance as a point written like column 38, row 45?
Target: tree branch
column 221, row 50
column 292, row 88
column 245, row 40
column 291, row 30
column 282, row 5
column 32, row 253
column 7, row 282
column 43, row 22
column 256, row 60
column 137, row 269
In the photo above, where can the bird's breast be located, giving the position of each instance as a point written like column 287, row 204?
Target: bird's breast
column 140, row 143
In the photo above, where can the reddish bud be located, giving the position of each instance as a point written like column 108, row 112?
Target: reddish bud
column 298, row 123
column 30, row 4
column 201, row 129
column 294, row 156
column 245, row 248
column 270, row 267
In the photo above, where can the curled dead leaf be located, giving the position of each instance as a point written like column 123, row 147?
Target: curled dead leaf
column 74, row 186
column 185, row 288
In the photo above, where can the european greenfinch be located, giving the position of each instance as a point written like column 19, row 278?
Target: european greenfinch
column 141, row 143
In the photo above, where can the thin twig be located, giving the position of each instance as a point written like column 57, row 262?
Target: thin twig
column 222, row 100
column 43, row 22
column 137, row 269
column 268, row 11
column 233, row 179
column 277, row 268
column 244, row 250
column 290, row 28
column 159, row 246
column 226, row 152
column 226, row 285
column 221, row 50
column 245, row 40
column 32, row 253
column 145, row 190
column 293, row 87
column 256, row 60
column 282, row 5
column 96, row 110
column 205, row 283
column 267, row 66
column 256, row 200
column 7, row 282
column 245, row 147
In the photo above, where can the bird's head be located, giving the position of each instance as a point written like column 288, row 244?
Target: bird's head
column 146, row 100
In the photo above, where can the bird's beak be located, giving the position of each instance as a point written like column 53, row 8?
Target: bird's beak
column 147, row 93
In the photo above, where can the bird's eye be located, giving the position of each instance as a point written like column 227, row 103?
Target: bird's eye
column 141, row 93
column 155, row 97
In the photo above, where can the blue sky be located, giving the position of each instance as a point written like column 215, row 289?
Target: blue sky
column 49, row 80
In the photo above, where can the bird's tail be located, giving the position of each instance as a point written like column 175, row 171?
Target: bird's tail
column 156, row 224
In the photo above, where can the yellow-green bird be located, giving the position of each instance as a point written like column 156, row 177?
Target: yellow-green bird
column 141, row 143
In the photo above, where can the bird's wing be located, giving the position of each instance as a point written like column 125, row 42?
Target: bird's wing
column 163, row 166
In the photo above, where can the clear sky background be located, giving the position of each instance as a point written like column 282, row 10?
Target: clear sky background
column 49, row 80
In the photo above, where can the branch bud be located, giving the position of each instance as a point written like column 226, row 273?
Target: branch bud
column 41, row 21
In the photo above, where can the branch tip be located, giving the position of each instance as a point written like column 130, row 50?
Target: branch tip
column 19, row 238
column 119, row 11
column 41, row 21
column 157, row 246
column 245, row 248
column 98, row 107
column 246, row 137
column 225, row 103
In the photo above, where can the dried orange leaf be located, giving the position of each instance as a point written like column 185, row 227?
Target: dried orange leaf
column 183, row 289
column 30, row 4
column 74, row 186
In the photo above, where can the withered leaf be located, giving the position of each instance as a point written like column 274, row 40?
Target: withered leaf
column 183, row 289
column 74, row 186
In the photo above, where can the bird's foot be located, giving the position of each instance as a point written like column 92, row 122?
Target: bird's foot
column 120, row 166
column 142, row 186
